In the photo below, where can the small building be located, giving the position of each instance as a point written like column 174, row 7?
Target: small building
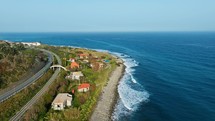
column 74, row 65
column 61, row 101
column 97, row 66
column 94, row 66
column 77, row 75
column 86, row 61
column 84, row 87
column 31, row 43
column 83, row 56
column 101, row 65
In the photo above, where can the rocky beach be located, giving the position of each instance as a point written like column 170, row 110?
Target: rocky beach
column 108, row 97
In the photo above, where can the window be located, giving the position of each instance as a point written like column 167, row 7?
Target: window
column 58, row 106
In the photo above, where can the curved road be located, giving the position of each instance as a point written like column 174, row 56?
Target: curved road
column 23, row 85
column 19, row 114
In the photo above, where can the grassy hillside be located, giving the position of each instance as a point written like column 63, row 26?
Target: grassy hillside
column 15, row 61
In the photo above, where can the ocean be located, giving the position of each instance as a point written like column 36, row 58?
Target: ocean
column 170, row 76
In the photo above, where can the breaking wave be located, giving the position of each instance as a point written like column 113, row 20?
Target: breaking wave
column 131, row 93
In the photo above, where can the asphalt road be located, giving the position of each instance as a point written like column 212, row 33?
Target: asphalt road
column 29, row 81
column 40, row 93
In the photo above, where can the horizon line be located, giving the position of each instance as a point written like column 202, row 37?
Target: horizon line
column 105, row 31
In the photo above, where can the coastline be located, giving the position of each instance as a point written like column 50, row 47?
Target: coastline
column 109, row 95
column 116, row 98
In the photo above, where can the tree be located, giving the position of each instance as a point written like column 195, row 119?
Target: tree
column 1, row 56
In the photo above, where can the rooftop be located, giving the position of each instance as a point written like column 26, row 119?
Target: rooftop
column 84, row 85
column 83, row 54
column 78, row 73
column 74, row 64
column 61, row 97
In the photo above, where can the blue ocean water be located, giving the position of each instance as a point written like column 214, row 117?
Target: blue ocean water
column 169, row 76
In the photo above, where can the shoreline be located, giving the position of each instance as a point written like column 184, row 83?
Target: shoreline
column 116, row 98
column 109, row 95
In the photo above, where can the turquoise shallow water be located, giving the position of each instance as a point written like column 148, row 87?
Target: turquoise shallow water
column 169, row 76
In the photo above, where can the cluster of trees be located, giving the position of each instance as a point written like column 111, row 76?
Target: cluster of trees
column 15, row 61
column 11, row 49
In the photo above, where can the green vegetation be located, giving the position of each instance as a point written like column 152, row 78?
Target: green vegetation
column 16, row 61
column 39, row 110
column 9, row 107
column 83, row 103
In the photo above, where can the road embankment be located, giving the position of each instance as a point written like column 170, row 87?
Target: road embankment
column 40, row 93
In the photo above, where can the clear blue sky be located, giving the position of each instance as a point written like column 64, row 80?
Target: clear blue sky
column 106, row 15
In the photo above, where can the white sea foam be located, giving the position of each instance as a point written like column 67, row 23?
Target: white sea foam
column 131, row 93
column 132, row 78
column 131, row 97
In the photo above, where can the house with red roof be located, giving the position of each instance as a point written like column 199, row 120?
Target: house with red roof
column 84, row 87
column 74, row 65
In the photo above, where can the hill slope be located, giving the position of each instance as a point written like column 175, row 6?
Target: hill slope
column 15, row 61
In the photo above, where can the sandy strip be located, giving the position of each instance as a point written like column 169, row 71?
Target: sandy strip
column 107, row 100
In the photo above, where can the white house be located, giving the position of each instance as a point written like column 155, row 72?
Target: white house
column 61, row 101
column 77, row 75
column 31, row 43
column 86, row 61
